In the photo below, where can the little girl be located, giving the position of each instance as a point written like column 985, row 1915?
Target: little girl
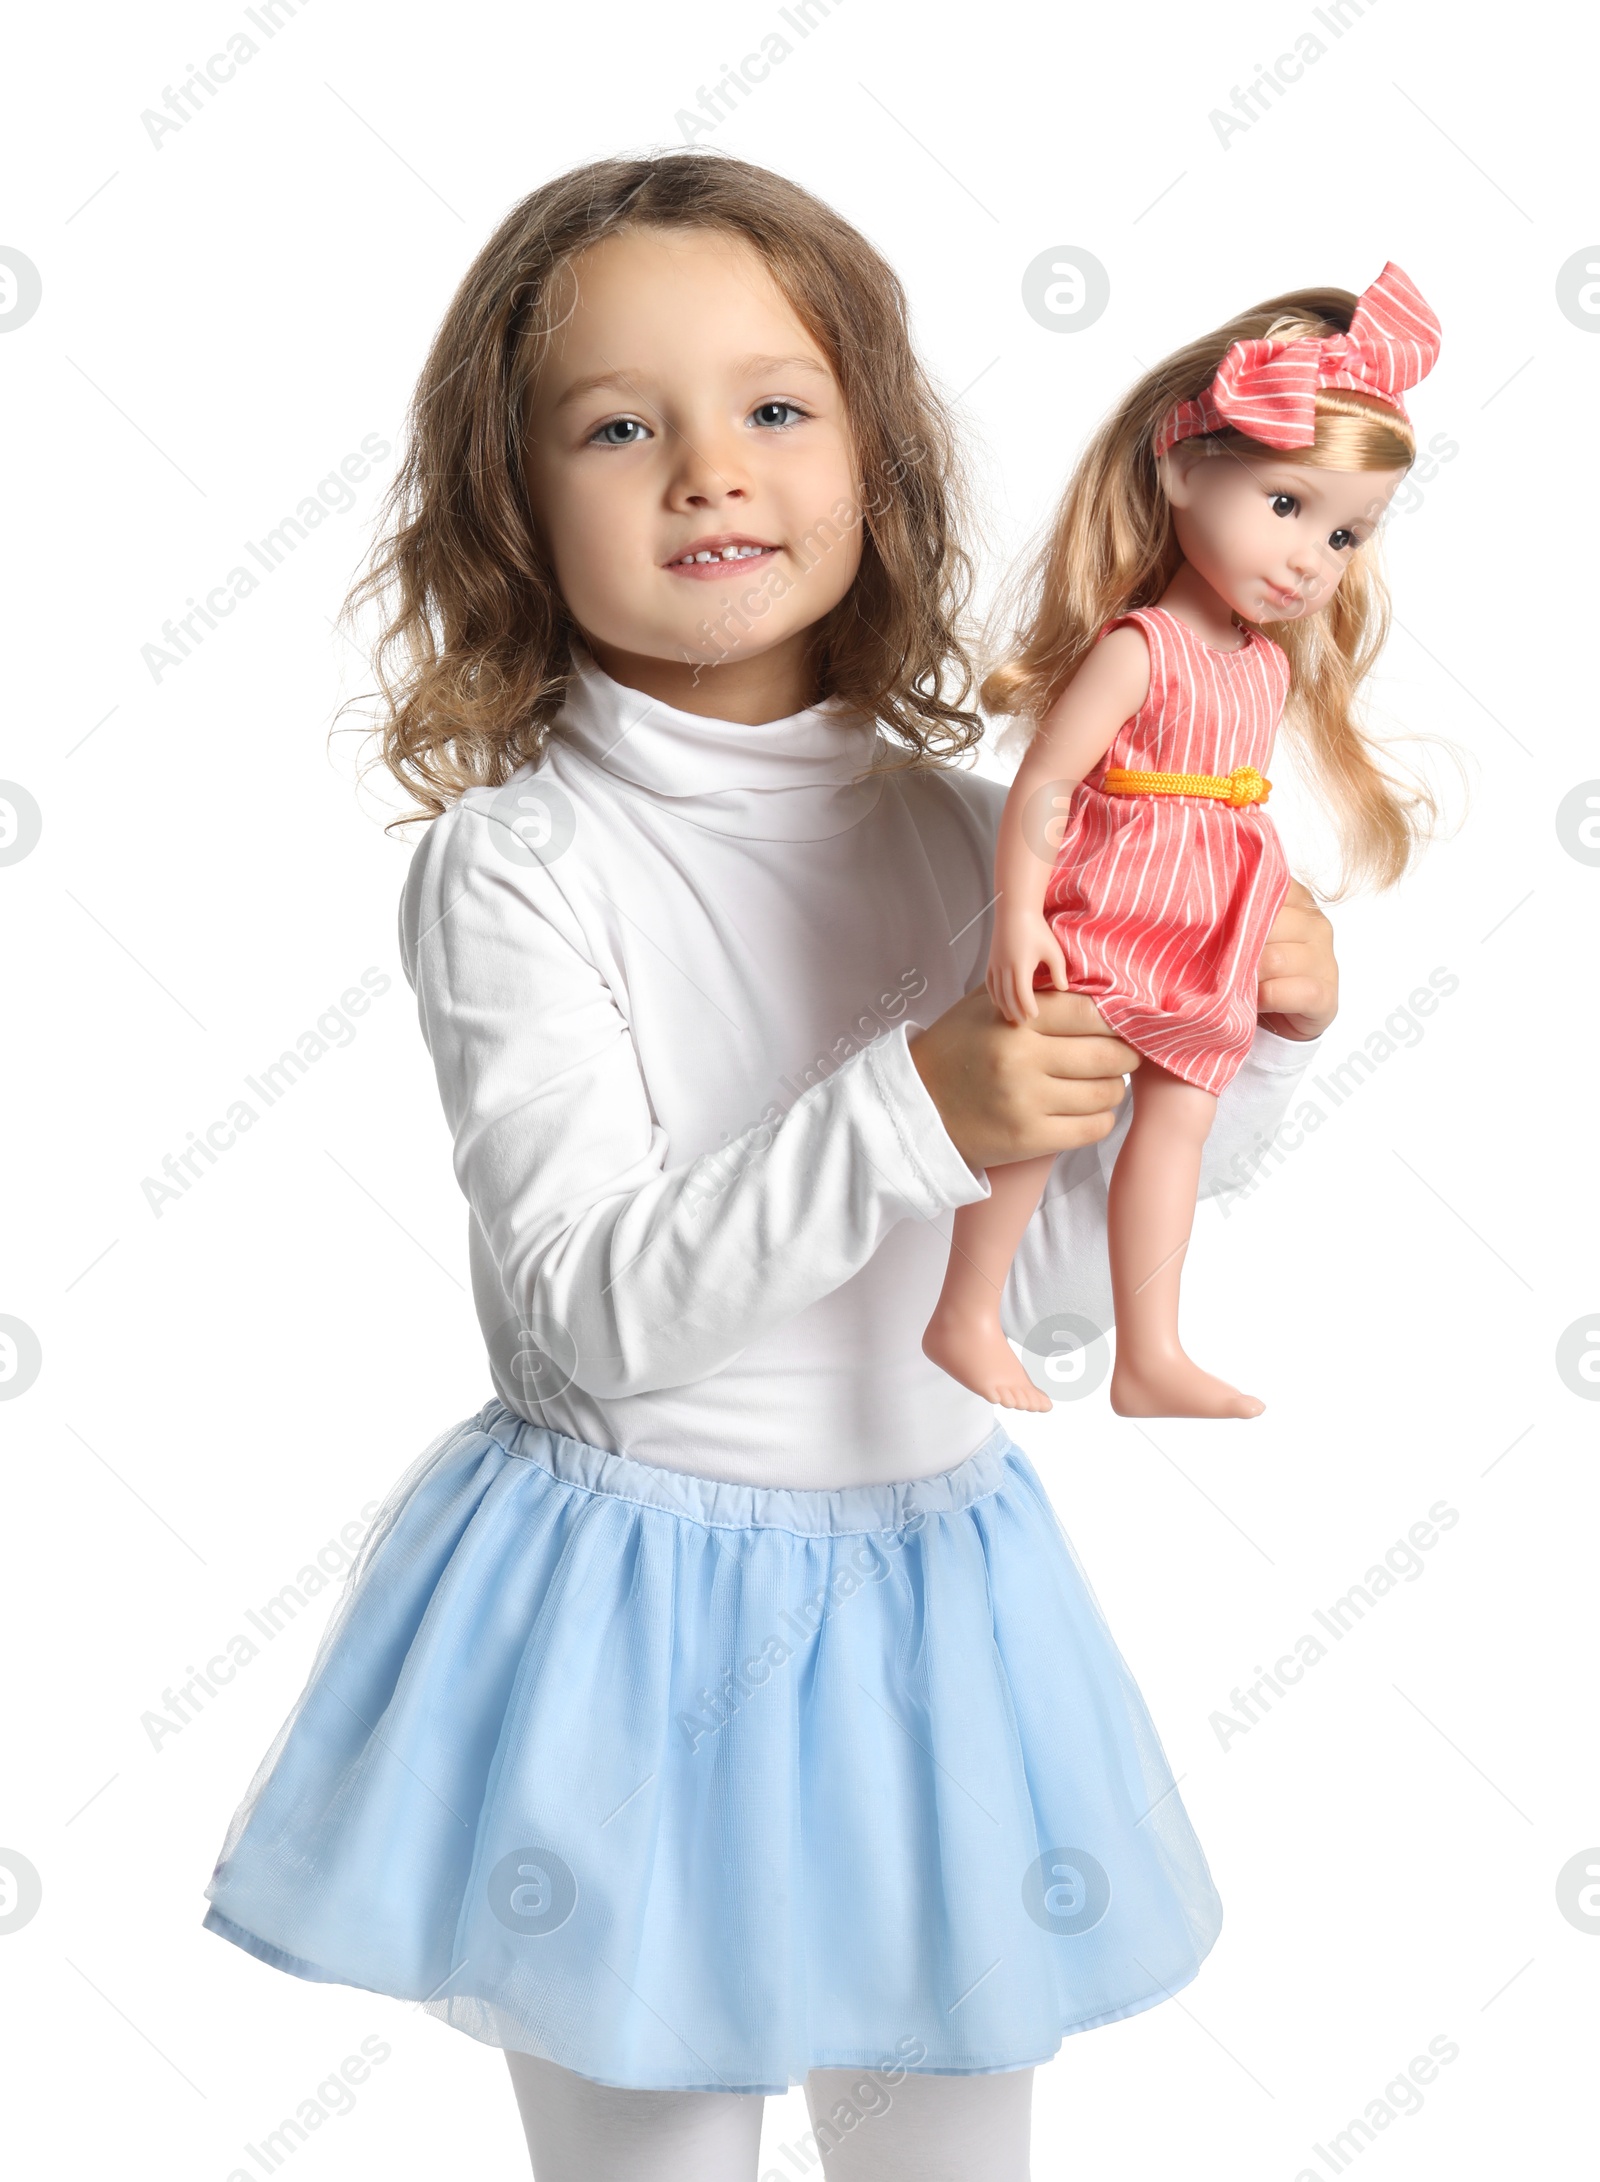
column 722, row 1706
column 1238, row 484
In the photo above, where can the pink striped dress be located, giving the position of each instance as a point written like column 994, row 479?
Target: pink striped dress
column 1162, row 903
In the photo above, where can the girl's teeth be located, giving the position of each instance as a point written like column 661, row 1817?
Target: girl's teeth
column 728, row 553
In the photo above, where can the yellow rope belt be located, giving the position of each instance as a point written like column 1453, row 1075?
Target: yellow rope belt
column 1243, row 785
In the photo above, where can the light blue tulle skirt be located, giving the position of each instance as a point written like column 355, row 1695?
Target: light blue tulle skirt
column 698, row 1785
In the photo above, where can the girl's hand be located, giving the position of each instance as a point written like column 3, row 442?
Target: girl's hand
column 1297, row 992
column 1011, row 1091
column 1022, row 939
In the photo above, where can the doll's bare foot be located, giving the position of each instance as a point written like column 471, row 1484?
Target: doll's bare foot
column 1172, row 1386
column 975, row 1351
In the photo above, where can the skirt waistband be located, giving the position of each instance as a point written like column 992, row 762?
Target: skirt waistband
column 903, row 1504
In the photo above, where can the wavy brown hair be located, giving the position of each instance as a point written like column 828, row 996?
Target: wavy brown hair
column 1113, row 546
column 476, row 650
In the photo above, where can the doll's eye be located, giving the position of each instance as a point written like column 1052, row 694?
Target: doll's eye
column 1341, row 540
column 1284, row 503
column 777, row 416
column 619, row 432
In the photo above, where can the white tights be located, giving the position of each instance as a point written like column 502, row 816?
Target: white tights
column 921, row 2129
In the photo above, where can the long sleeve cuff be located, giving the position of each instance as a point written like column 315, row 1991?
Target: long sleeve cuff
column 951, row 1178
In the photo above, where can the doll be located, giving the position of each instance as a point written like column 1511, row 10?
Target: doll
column 1236, row 488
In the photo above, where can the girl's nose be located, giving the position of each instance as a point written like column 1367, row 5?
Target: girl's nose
column 708, row 472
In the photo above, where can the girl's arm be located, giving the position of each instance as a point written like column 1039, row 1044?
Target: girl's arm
column 659, row 1274
column 1109, row 687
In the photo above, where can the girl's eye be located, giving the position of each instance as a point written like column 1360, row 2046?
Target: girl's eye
column 777, row 416
column 1284, row 503
column 1341, row 540
column 620, row 432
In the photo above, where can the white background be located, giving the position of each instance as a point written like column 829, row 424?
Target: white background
column 223, row 1387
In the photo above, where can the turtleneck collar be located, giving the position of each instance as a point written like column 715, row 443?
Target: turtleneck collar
column 786, row 780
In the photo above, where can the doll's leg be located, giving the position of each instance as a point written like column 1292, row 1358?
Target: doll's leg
column 582, row 2131
column 922, row 2129
column 1149, row 1218
column 963, row 1335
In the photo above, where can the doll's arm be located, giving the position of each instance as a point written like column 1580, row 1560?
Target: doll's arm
column 659, row 1274
column 1072, row 737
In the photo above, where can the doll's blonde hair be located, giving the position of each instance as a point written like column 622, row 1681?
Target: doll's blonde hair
column 1113, row 546
column 476, row 654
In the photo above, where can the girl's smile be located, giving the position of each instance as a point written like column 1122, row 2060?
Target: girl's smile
column 728, row 554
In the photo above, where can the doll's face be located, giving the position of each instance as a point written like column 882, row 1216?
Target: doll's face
column 1272, row 537
column 690, row 462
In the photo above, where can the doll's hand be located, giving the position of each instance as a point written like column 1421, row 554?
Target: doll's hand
column 1297, row 993
column 1022, row 939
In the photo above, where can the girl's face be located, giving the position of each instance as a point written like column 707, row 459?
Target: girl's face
column 1272, row 537
column 692, row 473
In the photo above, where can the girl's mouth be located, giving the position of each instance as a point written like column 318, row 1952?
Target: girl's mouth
column 709, row 559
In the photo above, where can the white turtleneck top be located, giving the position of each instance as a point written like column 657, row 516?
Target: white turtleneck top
column 667, row 979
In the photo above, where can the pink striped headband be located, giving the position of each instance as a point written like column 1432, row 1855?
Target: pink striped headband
column 1267, row 389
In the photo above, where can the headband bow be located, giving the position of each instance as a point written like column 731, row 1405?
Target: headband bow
column 1267, row 389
